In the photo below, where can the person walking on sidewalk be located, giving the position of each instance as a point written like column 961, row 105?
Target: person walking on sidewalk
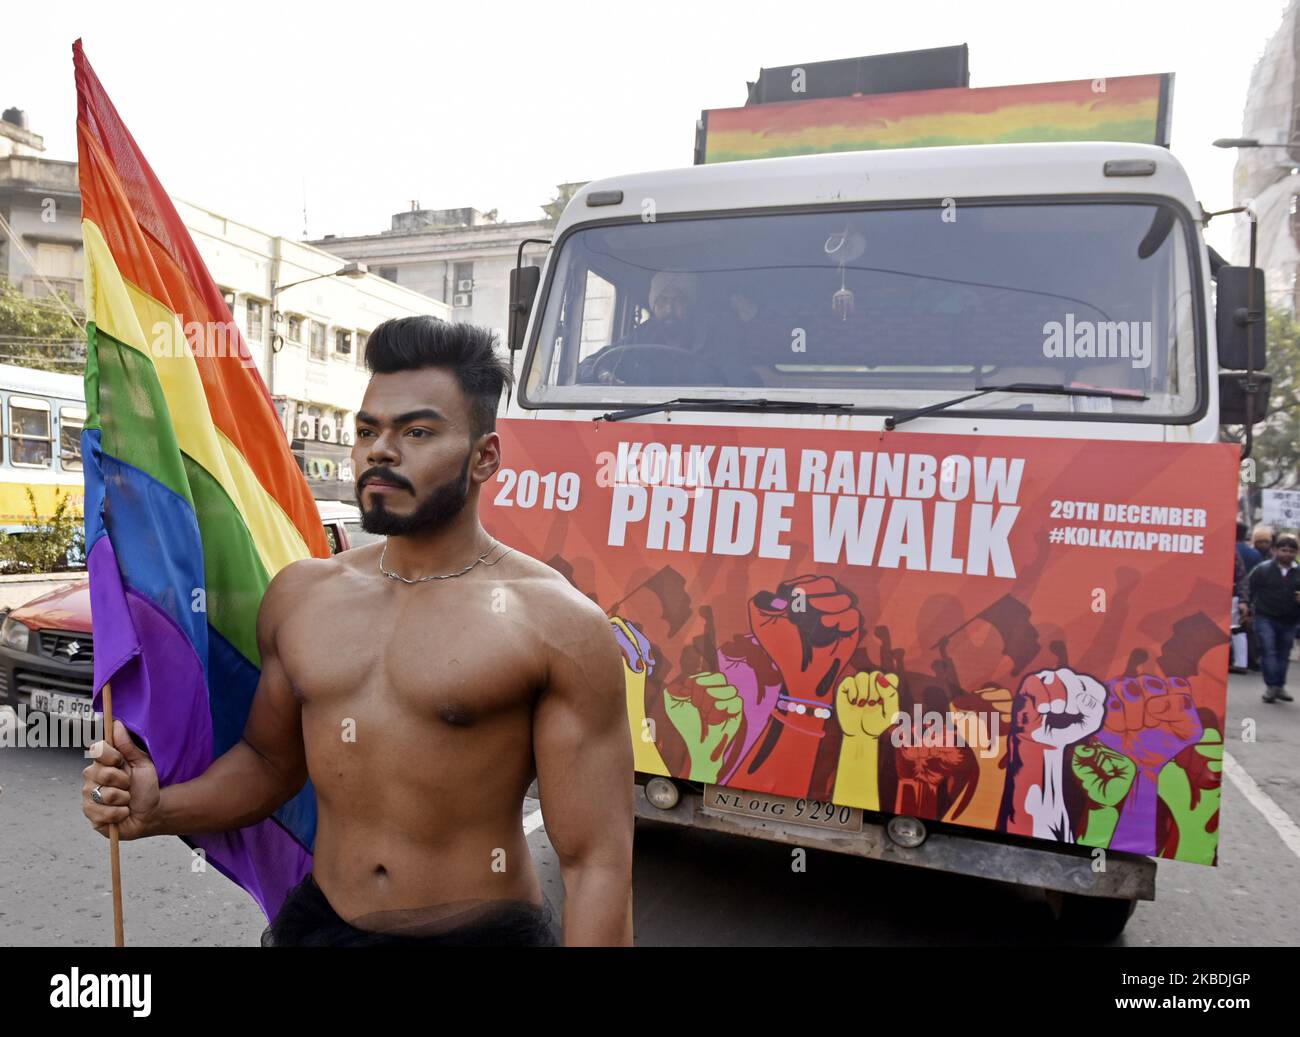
column 1275, row 605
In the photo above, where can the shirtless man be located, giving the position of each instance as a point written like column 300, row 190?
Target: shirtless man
column 421, row 711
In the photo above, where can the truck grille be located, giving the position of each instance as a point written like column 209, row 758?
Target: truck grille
column 67, row 646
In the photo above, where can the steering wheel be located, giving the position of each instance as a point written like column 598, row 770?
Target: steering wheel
column 645, row 364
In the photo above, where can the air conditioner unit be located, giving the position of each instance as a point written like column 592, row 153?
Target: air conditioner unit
column 461, row 299
column 345, row 437
column 306, row 428
column 326, row 432
column 465, row 284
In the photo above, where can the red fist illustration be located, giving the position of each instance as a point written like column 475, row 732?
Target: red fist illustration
column 810, row 628
column 922, row 771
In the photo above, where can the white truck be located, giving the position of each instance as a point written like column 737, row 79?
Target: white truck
column 810, row 306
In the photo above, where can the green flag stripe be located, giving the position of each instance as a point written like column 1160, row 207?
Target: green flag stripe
column 136, row 428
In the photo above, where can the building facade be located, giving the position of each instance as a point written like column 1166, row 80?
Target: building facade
column 309, row 347
column 462, row 257
column 1267, row 178
column 41, row 203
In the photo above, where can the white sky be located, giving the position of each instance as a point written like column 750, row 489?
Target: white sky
column 377, row 103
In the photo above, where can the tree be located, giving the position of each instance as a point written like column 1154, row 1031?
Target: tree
column 1277, row 438
column 48, row 544
column 38, row 333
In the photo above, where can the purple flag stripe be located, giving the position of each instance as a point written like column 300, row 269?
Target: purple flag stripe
column 159, row 693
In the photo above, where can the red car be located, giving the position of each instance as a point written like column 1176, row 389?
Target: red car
column 46, row 648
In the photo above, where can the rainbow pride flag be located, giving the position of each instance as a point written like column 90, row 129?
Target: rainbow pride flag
column 1127, row 108
column 193, row 500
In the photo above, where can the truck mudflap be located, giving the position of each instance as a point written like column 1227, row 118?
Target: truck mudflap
column 1066, row 869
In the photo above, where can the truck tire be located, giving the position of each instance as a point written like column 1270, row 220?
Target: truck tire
column 1099, row 919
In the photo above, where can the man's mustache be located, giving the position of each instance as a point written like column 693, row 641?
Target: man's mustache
column 383, row 475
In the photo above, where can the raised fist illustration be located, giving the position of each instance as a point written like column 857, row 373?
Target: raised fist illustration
column 1056, row 708
column 1105, row 774
column 1150, row 719
column 866, row 703
column 809, row 628
column 706, row 711
column 922, row 771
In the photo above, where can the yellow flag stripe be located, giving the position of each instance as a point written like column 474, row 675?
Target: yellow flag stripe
column 140, row 321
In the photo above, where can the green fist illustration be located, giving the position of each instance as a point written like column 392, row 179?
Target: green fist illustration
column 706, row 711
column 1107, row 776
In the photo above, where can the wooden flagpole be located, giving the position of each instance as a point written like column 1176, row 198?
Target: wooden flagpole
column 115, row 860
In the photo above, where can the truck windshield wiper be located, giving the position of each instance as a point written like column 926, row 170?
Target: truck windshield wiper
column 704, row 403
column 1045, row 389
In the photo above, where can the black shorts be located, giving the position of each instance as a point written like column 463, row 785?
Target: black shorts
column 307, row 920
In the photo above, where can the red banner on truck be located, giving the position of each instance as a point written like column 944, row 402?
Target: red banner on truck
column 1023, row 635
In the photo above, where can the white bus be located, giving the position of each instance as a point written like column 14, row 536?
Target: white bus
column 42, row 414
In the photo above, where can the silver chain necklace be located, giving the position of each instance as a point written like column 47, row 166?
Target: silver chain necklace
column 447, row 576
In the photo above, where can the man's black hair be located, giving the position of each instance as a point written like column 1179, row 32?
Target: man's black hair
column 1243, row 530
column 1287, row 540
column 468, row 351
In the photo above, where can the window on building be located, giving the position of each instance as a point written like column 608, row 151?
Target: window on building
column 343, row 342
column 388, row 273
column 295, row 328
column 462, row 284
column 71, row 421
column 30, row 442
column 55, row 260
column 57, row 272
column 228, row 295
column 597, row 315
column 253, row 320
column 362, row 340
column 317, row 340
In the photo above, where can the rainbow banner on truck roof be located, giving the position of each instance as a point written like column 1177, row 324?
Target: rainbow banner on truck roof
column 193, row 500
column 1127, row 108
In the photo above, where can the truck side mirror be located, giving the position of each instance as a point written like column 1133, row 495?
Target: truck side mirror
column 1235, row 389
column 1240, row 318
column 523, row 289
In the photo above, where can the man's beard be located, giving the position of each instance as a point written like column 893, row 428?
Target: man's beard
column 442, row 505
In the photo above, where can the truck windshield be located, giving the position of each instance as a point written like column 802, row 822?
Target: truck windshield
column 883, row 308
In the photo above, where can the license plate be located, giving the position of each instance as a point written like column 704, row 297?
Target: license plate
column 718, row 799
column 63, row 705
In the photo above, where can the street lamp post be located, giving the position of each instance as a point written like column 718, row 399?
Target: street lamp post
column 1251, row 142
column 352, row 270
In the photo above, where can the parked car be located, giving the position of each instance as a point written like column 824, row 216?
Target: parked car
column 46, row 645
column 343, row 525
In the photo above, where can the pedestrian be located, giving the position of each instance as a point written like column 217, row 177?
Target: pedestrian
column 1275, row 605
column 1262, row 538
column 1240, row 614
column 1245, row 549
column 462, row 704
column 1250, row 558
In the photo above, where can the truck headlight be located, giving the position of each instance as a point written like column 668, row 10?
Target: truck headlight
column 908, row 832
column 662, row 793
column 13, row 634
